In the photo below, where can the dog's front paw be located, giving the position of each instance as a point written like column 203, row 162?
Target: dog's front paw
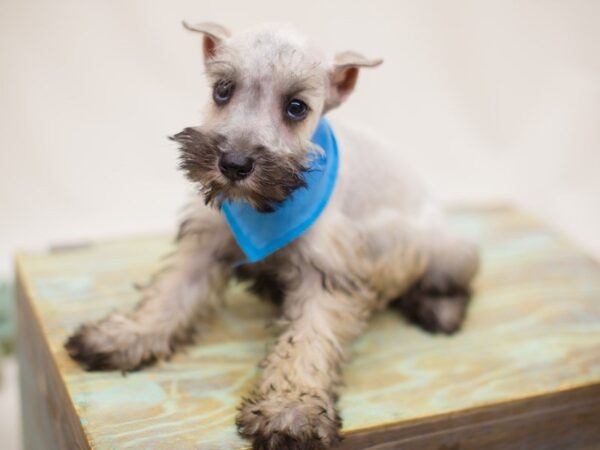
column 291, row 421
column 115, row 343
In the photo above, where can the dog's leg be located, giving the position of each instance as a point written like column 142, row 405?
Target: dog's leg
column 293, row 406
column 438, row 301
column 169, row 305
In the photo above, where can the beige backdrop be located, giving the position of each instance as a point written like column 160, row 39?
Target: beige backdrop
column 488, row 100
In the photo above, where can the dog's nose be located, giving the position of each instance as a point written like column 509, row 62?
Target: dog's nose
column 235, row 166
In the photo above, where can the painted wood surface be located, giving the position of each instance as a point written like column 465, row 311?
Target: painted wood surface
column 533, row 331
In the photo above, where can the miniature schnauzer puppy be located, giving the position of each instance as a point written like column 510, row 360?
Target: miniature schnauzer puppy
column 381, row 240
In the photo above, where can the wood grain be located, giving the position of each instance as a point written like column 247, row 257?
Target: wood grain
column 524, row 372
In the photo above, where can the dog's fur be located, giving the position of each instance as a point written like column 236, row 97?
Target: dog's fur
column 380, row 241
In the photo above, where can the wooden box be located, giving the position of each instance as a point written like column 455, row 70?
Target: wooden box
column 523, row 374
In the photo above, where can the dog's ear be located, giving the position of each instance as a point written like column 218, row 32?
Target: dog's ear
column 214, row 35
column 343, row 76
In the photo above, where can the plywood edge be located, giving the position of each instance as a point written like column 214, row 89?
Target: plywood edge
column 50, row 388
column 577, row 408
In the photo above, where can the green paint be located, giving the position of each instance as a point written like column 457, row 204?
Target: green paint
column 7, row 318
column 139, row 393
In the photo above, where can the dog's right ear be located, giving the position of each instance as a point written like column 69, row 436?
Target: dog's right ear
column 214, row 35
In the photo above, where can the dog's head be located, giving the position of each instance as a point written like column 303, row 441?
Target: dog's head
column 269, row 87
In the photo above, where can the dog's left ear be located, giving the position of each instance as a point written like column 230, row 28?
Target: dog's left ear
column 214, row 35
column 343, row 76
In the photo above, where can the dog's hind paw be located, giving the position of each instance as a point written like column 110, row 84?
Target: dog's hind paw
column 435, row 309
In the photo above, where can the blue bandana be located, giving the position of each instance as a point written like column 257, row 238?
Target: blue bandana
column 260, row 234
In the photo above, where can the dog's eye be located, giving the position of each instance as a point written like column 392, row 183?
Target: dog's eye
column 222, row 91
column 296, row 110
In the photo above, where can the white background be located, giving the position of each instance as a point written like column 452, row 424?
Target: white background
column 488, row 100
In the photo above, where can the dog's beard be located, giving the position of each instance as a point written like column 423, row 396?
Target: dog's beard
column 274, row 178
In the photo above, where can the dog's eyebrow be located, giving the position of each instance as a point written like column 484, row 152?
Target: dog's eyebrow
column 302, row 84
column 220, row 68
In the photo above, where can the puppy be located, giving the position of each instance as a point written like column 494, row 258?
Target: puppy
column 375, row 239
